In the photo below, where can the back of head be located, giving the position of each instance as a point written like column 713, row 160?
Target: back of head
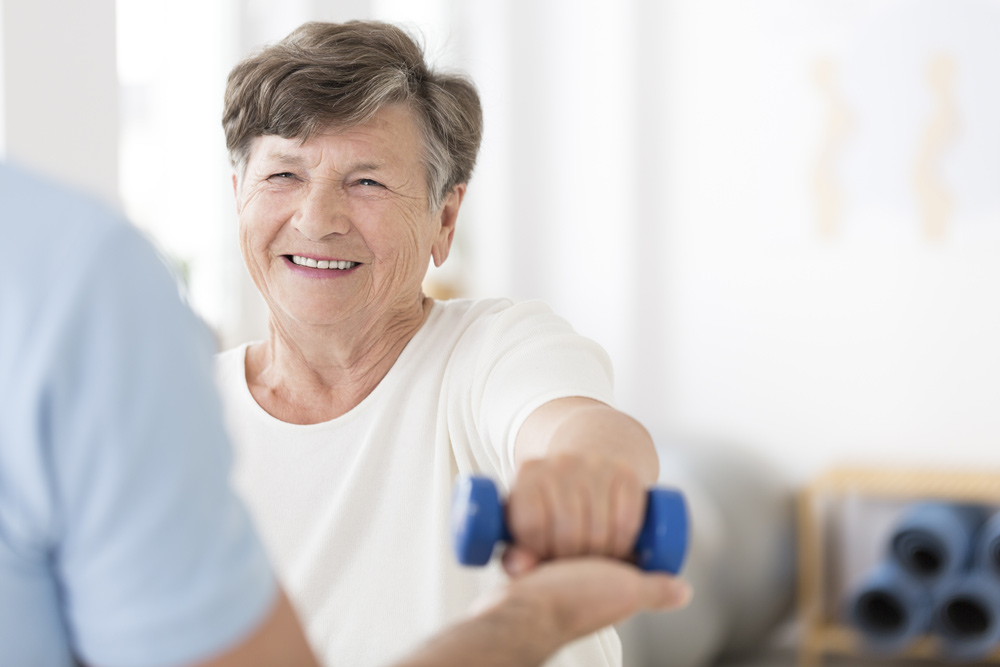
column 338, row 75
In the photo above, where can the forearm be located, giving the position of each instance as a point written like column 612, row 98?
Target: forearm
column 550, row 606
column 512, row 633
column 587, row 427
column 279, row 640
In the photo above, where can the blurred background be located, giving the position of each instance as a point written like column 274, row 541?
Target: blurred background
column 780, row 217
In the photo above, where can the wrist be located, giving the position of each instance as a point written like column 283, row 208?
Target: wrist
column 601, row 432
column 517, row 630
column 529, row 622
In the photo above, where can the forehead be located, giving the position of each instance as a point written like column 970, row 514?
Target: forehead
column 390, row 138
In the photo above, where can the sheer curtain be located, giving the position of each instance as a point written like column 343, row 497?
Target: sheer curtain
column 568, row 202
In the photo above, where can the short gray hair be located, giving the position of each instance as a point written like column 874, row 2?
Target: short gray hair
column 339, row 75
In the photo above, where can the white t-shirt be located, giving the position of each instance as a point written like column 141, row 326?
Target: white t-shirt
column 355, row 511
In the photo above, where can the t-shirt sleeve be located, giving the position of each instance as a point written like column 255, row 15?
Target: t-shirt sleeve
column 158, row 559
column 508, row 364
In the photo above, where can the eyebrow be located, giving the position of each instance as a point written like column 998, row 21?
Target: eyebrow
column 366, row 166
column 298, row 161
column 284, row 158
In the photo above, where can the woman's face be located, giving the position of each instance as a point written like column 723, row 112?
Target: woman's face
column 338, row 226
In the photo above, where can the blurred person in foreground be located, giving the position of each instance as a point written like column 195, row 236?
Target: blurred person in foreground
column 367, row 398
column 121, row 542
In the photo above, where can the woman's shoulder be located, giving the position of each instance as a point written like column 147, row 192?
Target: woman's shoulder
column 478, row 322
column 470, row 310
column 456, row 309
column 230, row 365
column 467, row 328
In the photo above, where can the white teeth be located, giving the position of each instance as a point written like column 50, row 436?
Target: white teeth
column 323, row 263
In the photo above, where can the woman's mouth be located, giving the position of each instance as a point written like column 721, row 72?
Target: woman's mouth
column 332, row 264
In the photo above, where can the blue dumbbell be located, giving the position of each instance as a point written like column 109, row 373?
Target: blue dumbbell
column 477, row 524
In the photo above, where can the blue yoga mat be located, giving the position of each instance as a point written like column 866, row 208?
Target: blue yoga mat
column 934, row 541
column 890, row 608
column 967, row 616
column 988, row 546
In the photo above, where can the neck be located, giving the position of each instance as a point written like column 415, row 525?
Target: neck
column 307, row 375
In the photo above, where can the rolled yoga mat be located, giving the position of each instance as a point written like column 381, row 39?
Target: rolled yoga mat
column 967, row 618
column 935, row 540
column 988, row 546
column 931, row 545
column 890, row 608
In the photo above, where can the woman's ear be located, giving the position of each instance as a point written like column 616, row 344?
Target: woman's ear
column 448, row 216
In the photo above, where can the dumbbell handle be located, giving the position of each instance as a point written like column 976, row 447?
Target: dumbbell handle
column 477, row 524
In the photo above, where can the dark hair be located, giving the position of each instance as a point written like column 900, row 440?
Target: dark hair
column 339, row 75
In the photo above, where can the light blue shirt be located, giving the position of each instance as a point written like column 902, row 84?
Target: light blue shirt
column 121, row 542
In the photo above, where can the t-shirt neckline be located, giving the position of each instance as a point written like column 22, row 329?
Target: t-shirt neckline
column 408, row 350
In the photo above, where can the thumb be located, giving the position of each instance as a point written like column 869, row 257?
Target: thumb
column 660, row 592
column 517, row 561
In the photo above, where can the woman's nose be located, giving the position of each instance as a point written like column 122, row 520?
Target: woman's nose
column 324, row 212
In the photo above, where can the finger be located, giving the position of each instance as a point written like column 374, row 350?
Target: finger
column 568, row 519
column 529, row 517
column 629, row 506
column 599, row 508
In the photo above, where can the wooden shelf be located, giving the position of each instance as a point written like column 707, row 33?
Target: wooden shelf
column 822, row 635
column 967, row 486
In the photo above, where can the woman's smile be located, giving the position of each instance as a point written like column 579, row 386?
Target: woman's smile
column 315, row 267
column 347, row 210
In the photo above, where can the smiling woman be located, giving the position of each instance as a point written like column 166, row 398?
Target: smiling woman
column 351, row 161
column 352, row 197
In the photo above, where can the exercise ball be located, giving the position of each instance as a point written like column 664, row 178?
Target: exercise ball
column 742, row 559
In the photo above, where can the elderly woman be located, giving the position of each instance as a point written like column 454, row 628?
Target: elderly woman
column 352, row 419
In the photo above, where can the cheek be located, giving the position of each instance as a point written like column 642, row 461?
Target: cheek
column 419, row 233
column 394, row 234
column 248, row 236
column 409, row 250
column 255, row 236
column 251, row 259
column 258, row 225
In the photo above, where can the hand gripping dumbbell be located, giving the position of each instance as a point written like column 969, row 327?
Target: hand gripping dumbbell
column 477, row 524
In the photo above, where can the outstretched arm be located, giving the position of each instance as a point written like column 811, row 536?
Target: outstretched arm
column 583, row 471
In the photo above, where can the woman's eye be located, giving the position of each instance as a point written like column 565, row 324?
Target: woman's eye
column 283, row 174
column 368, row 181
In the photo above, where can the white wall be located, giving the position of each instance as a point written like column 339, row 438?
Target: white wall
column 876, row 341
column 784, row 232
column 175, row 184
column 60, row 103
